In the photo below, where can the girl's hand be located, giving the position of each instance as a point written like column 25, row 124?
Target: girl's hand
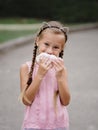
column 59, row 67
column 44, row 65
column 62, row 79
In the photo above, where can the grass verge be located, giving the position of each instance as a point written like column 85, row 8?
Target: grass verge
column 9, row 35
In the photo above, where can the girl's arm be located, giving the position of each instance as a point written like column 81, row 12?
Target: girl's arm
column 34, row 86
column 62, row 79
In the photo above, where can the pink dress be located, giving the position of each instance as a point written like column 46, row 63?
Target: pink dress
column 41, row 114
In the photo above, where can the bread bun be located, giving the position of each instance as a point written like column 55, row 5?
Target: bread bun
column 40, row 56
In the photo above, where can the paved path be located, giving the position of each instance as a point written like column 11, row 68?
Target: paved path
column 12, row 27
column 81, row 59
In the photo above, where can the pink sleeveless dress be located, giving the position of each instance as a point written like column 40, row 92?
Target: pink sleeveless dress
column 41, row 114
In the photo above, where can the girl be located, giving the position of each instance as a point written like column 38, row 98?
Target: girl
column 44, row 84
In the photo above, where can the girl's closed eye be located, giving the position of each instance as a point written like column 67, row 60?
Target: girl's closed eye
column 46, row 44
column 56, row 47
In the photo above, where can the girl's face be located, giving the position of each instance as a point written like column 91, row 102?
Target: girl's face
column 51, row 43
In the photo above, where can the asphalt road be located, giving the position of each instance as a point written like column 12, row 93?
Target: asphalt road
column 81, row 60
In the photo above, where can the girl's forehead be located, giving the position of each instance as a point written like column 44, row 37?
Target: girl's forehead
column 54, row 37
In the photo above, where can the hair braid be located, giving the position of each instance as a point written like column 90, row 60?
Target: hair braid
column 32, row 66
column 61, row 54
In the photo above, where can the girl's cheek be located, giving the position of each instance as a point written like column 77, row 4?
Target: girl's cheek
column 42, row 50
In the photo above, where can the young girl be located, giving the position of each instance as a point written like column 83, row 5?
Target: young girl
column 44, row 83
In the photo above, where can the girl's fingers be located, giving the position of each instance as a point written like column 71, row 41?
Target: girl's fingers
column 46, row 63
column 49, row 66
column 58, row 65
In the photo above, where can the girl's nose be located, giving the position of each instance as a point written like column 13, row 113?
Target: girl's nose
column 50, row 50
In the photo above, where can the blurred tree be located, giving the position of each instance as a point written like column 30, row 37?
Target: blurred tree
column 64, row 10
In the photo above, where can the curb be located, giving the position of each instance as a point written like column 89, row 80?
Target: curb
column 12, row 44
column 83, row 27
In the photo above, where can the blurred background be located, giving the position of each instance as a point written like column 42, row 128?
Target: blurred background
column 19, row 21
column 69, row 12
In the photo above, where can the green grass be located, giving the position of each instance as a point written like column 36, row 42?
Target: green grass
column 6, row 35
column 9, row 35
column 19, row 21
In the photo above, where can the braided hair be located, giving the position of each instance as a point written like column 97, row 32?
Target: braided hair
column 32, row 66
column 56, row 27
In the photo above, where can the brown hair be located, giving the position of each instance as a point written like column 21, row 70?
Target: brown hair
column 56, row 27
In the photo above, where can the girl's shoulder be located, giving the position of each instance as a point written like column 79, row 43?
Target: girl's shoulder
column 25, row 66
column 28, row 63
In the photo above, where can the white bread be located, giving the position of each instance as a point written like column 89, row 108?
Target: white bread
column 40, row 56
